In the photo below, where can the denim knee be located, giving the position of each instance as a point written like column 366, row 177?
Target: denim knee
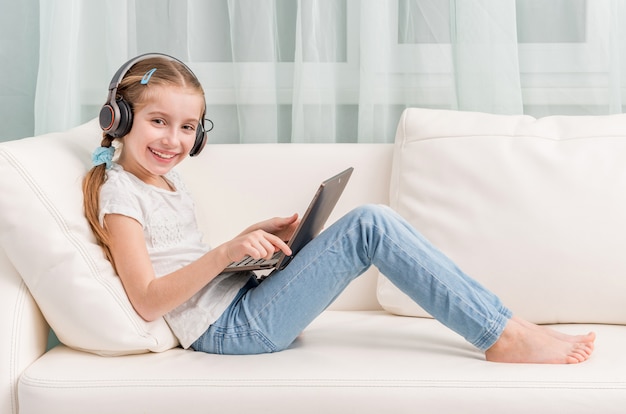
column 373, row 211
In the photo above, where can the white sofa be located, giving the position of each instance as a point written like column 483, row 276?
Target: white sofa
column 535, row 209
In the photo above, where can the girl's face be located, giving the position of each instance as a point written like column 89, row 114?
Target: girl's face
column 163, row 133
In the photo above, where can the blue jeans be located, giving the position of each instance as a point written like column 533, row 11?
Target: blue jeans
column 268, row 316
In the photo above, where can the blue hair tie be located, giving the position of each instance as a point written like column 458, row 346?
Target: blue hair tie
column 103, row 155
column 147, row 76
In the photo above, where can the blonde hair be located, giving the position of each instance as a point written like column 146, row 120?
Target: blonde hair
column 168, row 73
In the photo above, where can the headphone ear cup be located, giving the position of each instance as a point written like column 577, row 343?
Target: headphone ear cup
column 200, row 141
column 107, row 117
column 116, row 118
column 124, row 121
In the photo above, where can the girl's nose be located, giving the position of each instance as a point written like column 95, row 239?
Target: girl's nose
column 172, row 137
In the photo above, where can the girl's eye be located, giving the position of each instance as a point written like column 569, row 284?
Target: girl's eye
column 158, row 121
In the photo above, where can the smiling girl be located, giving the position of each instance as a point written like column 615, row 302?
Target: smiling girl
column 144, row 219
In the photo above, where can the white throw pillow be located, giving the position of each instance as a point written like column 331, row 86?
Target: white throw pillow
column 47, row 238
column 535, row 209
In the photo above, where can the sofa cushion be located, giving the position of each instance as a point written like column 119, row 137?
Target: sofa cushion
column 45, row 235
column 344, row 362
column 535, row 209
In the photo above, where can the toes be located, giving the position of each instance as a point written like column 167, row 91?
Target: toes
column 579, row 353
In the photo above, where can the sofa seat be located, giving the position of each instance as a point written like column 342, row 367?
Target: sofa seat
column 341, row 363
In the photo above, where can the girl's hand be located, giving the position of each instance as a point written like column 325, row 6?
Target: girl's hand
column 256, row 244
column 282, row 227
column 263, row 239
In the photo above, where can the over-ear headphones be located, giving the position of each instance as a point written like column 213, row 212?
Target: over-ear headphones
column 116, row 115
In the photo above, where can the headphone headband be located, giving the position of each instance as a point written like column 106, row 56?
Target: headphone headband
column 116, row 115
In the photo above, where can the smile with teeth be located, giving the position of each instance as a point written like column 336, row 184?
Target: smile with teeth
column 162, row 154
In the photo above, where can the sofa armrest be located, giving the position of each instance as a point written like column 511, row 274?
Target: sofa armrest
column 24, row 333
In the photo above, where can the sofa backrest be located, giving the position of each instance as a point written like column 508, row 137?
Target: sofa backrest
column 252, row 182
column 535, row 209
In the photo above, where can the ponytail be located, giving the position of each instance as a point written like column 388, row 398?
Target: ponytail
column 92, row 183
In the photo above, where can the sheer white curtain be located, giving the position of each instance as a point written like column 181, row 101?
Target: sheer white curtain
column 327, row 70
column 19, row 39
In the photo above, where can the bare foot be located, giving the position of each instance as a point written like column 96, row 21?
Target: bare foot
column 590, row 337
column 524, row 342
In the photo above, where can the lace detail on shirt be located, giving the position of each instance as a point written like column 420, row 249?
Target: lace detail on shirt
column 166, row 230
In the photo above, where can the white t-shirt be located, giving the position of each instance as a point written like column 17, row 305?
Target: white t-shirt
column 173, row 241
